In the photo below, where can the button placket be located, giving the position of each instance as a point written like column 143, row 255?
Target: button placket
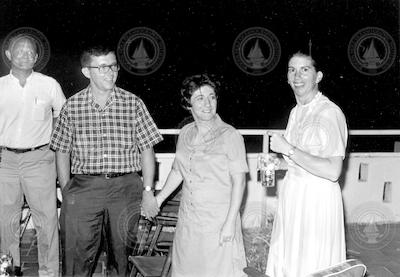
column 190, row 177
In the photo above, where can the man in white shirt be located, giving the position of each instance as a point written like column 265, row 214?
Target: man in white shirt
column 29, row 103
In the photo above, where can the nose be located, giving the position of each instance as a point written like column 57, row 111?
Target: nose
column 207, row 102
column 110, row 72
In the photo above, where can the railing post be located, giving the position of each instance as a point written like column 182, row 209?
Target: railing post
column 265, row 148
column 265, row 145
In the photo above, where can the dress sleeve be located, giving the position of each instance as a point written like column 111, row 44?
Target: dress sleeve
column 329, row 137
column 175, row 164
column 236, row 153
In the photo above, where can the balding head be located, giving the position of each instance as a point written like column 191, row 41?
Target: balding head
column 22, row 38
column 22, row 52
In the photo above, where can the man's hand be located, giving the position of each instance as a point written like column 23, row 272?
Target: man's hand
column 149, row 204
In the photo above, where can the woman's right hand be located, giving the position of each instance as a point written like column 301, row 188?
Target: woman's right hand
column 279, row 144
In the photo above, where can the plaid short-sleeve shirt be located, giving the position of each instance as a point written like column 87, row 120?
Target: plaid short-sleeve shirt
column 107, row 139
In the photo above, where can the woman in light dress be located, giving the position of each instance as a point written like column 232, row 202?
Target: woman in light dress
column 308, row 232
column 211, row 161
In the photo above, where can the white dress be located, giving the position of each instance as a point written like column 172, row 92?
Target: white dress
column 308, row 232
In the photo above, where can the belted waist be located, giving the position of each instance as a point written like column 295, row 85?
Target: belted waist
column 108, row 175
column 23, row 150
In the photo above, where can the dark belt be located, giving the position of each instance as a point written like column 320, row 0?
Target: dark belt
column 109, row 175
column 23, row 150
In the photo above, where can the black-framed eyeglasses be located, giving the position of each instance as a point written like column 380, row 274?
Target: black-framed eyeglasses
column 105, row 68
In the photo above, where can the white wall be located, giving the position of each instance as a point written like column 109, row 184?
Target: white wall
column 363, row 200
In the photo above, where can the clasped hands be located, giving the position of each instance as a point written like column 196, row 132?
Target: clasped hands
column 150, row 205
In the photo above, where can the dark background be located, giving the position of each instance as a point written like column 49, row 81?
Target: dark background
column 199, row 36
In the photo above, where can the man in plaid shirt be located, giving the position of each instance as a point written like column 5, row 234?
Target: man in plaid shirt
column 105, row 135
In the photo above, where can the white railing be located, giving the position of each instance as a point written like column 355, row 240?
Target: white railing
column 264, row 133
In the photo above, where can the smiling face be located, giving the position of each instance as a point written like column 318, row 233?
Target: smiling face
column 303, row 78
column 102, row 82
column 203, row 104
column 22, row 54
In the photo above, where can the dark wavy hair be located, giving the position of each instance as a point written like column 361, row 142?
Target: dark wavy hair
column 193, row 83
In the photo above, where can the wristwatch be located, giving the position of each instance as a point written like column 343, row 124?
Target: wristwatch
column 291, row 151
column 147, row 188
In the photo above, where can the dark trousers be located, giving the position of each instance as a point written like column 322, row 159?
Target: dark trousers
column 99, row 213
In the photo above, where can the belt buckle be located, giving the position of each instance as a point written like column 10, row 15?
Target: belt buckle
column 107, row 176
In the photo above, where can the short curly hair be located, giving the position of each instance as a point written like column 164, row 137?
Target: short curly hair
column 193, row 83
column 94, row 51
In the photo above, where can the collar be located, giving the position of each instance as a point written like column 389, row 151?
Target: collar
column 215, row 123
column 314, row 100
column 27, row 78
column 117, row 94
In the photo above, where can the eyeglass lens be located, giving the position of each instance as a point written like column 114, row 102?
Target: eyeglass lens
column 106, row 68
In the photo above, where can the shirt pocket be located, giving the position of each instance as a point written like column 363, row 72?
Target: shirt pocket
column 39, row 109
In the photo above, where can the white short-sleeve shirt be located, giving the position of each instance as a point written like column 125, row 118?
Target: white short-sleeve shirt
column 26, row 113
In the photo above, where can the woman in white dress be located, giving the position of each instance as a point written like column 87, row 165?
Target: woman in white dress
column 308, row 232
column 211, row 161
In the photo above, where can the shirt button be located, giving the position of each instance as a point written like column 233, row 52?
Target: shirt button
column 105, row 155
